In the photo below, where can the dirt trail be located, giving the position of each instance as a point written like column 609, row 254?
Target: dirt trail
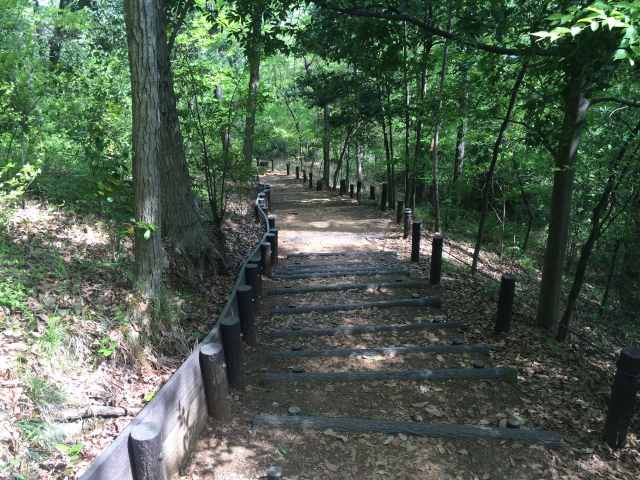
column 310, row 221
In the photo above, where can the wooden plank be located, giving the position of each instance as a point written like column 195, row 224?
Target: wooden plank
column 434, row 430
column 387, row 351
column 336, row 264
column 509, row 374
column 398, row 302
column 362, row 329
column 347, row 286
column 341, row 273
column 340, row 254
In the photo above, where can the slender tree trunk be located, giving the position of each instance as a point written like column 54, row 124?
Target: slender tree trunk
column 436, row 135
column 612, row 270
column 488, row 184
column 143, row 26
column 575, row 110
column 407, row 117
column 254, row 54
column 326, row 146
column 458, row 163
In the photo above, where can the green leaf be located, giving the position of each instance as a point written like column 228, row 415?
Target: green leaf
column 594, row 26
column 620, row 54
column 147, row 234
column 575, row 30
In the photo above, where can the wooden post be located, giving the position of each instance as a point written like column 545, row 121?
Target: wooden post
column 415, row 241
column 319, row 185
column 436, row 259
column 145, row 452
column 288, row 169
column 272, row 221
column 265, row 254
column 253, row 279
column 247, row 313
column 383, row 197
column 297, row 173
column 399, row 211
column 268, row 197
column 304, row 176
column 214, row 379
column 407, row 223
column 505, row 303
column 351, row 188
column 623, row 398
column 372, row 192
column 272, row 238
column 311, row 180
column 230, row 333
column 358, row 190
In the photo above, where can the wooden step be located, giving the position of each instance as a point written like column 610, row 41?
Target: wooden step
column 419, row 429
column 399, row 302
column 400, row 283
column 368, row 272
column 340, row 254
column 386, row 351
column 500, row 373
column 362, row 329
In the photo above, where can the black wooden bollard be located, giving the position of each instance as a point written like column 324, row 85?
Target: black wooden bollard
column 311, row 180
column 383, row 197
column 247, row 313
column 297, row 173
column 623, row 398
column 214, row 378
column 415, row 240
column 273, row 240
column 145, row 451
column 351, row 190
column 272, row 221
column 230, row 332
column 399, row 211
column 252, row 277
column 505, row 303
column 372, row 192
column 304, row 176
column 358, row 190
column 319, row 185
column 265, row 254
column 288, row 169
column 436, row 259
column 407, row 223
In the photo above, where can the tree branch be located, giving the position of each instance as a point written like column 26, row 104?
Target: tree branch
column 619, row 101
column 397, row 16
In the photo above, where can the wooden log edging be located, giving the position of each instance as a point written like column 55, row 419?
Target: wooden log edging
column 435, row 430
column 399, row 302
column 339, row 254
column 386, row 351
column 347, row 286
column 341, row 273
column 362, row 329
column 179, row 409
column 497, row 373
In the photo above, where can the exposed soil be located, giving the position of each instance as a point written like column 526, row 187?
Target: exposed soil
column 558, row 389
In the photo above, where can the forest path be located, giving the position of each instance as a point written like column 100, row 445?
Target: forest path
column 286, row 379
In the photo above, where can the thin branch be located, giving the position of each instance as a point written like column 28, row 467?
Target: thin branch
column 619, row 101
column 398, row 16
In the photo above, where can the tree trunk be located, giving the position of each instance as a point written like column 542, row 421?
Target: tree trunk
column 458, row 163
column 143, row 23
column 254, row 53
column 182, row 223
column 488, row 184
column 326, row 146
column 612, row 270
column 436, row 136
column 575, row 110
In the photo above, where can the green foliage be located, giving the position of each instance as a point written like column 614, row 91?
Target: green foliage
column 43, row 393
column 106, row 347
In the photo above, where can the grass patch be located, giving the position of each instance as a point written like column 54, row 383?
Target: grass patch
column 42, row 393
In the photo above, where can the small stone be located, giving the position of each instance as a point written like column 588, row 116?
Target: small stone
column 293, row 410
column 502, row 423
column 515, row 421
column 417, row 417
column 296, row 327
column 457, row 341
column 274, row 472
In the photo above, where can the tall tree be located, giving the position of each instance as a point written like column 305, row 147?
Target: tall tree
column 143, row 23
